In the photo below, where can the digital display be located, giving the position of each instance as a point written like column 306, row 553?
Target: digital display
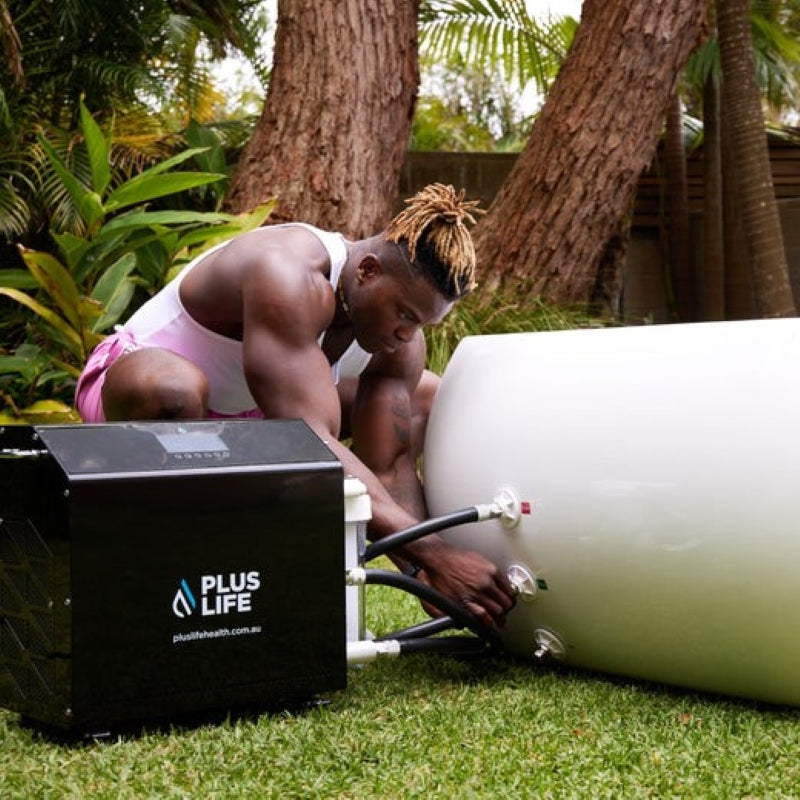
column 191, row 442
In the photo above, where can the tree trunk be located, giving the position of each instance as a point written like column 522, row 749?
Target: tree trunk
column 547, row 228
column 740, row 300
column 606, row 297
column 332, row 137
column 713, row 249
column 678, row 211
column 741, row 112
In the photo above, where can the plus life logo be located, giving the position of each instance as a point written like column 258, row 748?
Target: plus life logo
column 217, row 595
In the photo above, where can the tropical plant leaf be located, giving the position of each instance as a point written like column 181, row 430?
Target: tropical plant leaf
column 54, row 278
column 59, row 323
column 114, row 291
column 207, row 237
column 212, row 160
column 89, row 310
column 154, row 254
column 173, row 161
column 204, row 238
column 116, row 308
column 43, row 412
column 98, row 150
column 147, row 186
column 87, row 202
column 99, row 252
column 211, row 157
column 22, row 362
column 142, row 219
column 71, row 247
column 17, row 279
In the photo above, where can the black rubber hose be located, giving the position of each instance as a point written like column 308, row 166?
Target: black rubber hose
column 419, row 530
column 428, row 628
column 460, row 615
column 456, row 645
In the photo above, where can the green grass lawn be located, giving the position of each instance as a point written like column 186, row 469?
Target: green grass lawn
column 430, row 726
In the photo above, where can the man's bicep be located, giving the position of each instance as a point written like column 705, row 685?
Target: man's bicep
column 291, row 379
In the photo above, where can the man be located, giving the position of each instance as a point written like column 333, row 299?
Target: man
column 293, row 322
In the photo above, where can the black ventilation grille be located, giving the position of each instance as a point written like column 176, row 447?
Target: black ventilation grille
column 27, row 625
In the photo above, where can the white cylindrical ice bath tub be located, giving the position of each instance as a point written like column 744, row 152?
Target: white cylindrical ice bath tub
column 658, row 469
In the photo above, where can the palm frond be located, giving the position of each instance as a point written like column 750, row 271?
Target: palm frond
column 777, row 55
column 14, row 210
column 702, row 65
column 123, row 82
column 491, row 34
column 51, row 195
column 776, row 52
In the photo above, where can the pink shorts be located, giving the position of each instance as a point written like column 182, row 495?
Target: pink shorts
column 89, row 390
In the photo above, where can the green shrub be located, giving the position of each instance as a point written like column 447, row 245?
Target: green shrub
column 476, row 315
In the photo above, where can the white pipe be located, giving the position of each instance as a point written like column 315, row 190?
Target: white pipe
column 365, row 651
column 357, row 512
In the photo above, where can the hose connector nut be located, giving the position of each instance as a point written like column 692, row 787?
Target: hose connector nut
column 548, row 645
column 510, row 507
column 523, row 582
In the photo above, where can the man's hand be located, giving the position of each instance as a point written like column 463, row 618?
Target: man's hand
column 468, row 578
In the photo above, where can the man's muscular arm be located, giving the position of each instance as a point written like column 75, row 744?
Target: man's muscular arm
column 382, row 423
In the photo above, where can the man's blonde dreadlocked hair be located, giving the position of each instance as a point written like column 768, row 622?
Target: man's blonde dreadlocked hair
column 434, row 231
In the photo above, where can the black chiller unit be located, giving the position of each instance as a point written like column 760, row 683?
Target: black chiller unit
column 149, row 570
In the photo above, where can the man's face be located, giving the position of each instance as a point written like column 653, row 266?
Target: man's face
column 392, row 305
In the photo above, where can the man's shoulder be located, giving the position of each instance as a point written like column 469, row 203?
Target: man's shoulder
column 276, row 249
column 283, row 277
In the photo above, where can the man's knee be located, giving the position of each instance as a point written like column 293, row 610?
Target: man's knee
column 421, row 406
column 425, row 394
column 154, row 384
